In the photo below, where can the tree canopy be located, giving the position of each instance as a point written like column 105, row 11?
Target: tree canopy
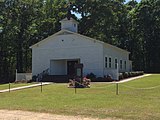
column 132, row 26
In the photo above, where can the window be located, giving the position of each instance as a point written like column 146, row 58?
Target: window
column 125, row 66
column 115, row 63
column 106, row 62
column 120, row 64
column 110, row 62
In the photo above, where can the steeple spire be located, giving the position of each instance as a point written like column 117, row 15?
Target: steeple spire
column 69, row 23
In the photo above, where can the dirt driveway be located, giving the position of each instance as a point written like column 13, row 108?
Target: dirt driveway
column 25, row 115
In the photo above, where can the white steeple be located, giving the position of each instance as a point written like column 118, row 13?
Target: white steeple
column 69, row 24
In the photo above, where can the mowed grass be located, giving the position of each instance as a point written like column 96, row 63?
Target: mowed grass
column 13, row 85
column 99, row 101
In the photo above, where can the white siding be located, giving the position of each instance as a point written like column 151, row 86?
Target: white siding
column 69, row 46
column 118, row 54
column 71, row 26
column 56, row 50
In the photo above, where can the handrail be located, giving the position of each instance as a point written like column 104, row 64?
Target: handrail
column 41, row 75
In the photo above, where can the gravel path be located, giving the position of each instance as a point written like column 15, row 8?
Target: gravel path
column 25, row 115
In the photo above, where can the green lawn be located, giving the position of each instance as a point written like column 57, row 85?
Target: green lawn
column 13, row 85
column 99, row 101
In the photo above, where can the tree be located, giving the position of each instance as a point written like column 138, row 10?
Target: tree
column 146, row 20
column 132, row 26
column 23, row 23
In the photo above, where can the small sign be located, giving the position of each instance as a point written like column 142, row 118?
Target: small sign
column 79, row 72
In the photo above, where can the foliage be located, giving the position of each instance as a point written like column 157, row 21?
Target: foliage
column 91, row 76
column 84, row 84
column 146, row 29
column 130, row 74
column 132, row 26
column 22, row 24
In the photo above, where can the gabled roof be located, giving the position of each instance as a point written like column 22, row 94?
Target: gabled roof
column 69, row 32
column 48, row 38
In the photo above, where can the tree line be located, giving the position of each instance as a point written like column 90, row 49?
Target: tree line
column 132, row 26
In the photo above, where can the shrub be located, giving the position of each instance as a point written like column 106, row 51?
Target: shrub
column 76, row 83
column 120, row 76
column 91, row 76
column 130, row 74
column 108, row 78
column 34, row 78
column 125, row 75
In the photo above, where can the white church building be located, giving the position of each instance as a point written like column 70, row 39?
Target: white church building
column 59, row 52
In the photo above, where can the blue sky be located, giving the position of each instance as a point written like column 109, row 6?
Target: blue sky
column 136, row 0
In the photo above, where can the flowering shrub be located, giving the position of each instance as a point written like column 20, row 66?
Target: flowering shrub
column 75, row 83
column 86, row 82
